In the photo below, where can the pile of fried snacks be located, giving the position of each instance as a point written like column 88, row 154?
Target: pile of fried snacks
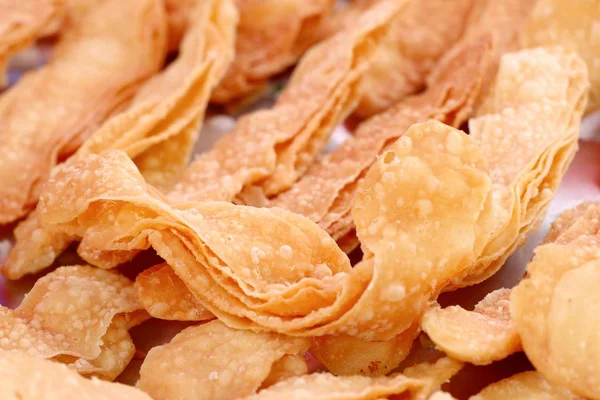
column 272, row 266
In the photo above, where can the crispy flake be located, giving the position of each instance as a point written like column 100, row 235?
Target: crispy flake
column 235, row 260
column 527, row 128
column 165, row 296
column 524, row 386
column 326, row 192
column 272, row 148
column 481, row 336
column 573, row 25
column 79, row 315
column 213, row 361
column 553, row 307
column 324, row 386
column 29, row 378
column 157, row 130
column 269, row 40
column 94, row 71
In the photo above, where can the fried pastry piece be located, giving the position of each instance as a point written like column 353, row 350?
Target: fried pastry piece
column 158, row 128
column 28, row 378
column 527, row 128
column 553, row 307
column 272, row 148
column 21, row 24
column 524, row 386
column 269, row 40
column 94, row 71
column 326, row 192
column 481, row 336
column 573, row 25
column 213, row 361
column 78, row 315
column 235, row 260
column 324, row 386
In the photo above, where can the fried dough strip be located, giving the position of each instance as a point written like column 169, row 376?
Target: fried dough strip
column 158, row 128
column 529, row 385
column 553, row 307
column 96, row 68
column 210, row 247
column 269, row 41
column 326, row 192
column 213, row 361
column 78, row 315
column 28, row 378
column 573, row 25
column 324, row 386
column 21, row 24
column 272, row 148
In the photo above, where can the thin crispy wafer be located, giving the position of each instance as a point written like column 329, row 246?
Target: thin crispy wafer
column 269, row 41
column 573, row 25
column 165, row 296
column 213, row 361
column 94, row 71
column 553, row 306
column 325, row 386
column 68, row 314
column 157, row 130
column 272, row 148
column 524, row 386
column 527, row 129
column 21, row 24
column 29, row 378
column 236, row 259
column 481, row 336
column 326, row 192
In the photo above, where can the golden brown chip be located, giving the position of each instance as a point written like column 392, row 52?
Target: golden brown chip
column 80, row 315
column 345, row 355
column 94, row 71
column 28, row 378
column 235, row 260
column 158, row 128
column 575, row 222
column 165, row 296
column 573, row 25
column 481, row 336
column 527, row 130
column 213, row 361
column 269, row 40
column 524, row 386
column 324, row 386
column 439, row 395
column 21, row 24
column 553, row 310
column 272, row 148
column 326, row 192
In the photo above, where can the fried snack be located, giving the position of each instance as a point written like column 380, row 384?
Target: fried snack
column 78, row 315
column 326, row 192
column 481, row 336
column 553, row 306
column 524, row 386
column 573, row 25
column 324, row 386
column 345, row 355
column 94, row 71
column 272, row 148
column 236, row 259
column 213, row 361
column 29, row 378
column 439, row 395
column 581, row 220
column 157, row 130
column 21, row 24
column 403, row 61
column 527, row 128
column 269, row 40
column 165, row 296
